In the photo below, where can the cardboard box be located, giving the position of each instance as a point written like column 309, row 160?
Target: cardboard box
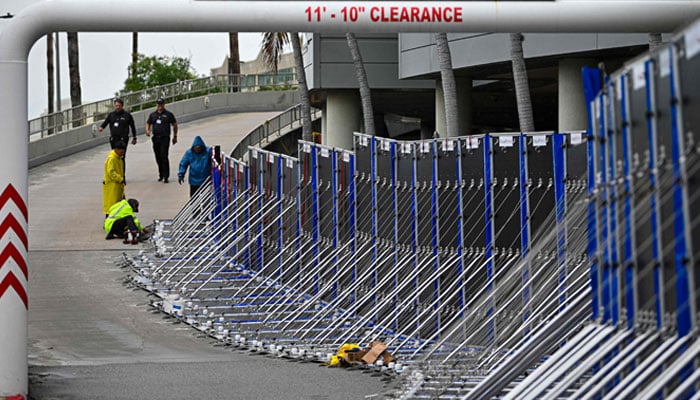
column 376, row 349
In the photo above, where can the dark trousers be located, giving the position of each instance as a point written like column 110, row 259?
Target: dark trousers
column 194, row 189
column 114, row 139
column 123, row 224
column 161, row 144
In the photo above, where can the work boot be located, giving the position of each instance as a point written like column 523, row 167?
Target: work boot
column 128, row 238
column 134, row 237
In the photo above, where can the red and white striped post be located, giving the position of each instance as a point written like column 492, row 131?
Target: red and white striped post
column 28, row 26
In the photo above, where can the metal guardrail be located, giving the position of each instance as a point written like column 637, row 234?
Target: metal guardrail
column 271, row 130
column 137, row 101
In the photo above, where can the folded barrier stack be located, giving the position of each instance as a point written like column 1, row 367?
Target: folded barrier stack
column 529, row 265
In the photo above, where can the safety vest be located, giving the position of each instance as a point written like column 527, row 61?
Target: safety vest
column 120, row 210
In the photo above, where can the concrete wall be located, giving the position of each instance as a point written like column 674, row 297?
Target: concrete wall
column 418, row 56
column 63, row 144
column 332, row 66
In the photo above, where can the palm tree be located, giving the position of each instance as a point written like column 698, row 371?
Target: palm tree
column 522, row 89
column 306, row 132
column 363, row 82
column 134, row 52
column 50, row 79
column 449, row 85
column 234, row 59
column 272, row 46
column 74, row 74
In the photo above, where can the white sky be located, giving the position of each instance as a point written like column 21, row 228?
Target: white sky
column 104, row 57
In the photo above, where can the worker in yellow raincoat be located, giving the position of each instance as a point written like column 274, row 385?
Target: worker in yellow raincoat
column 113, row 182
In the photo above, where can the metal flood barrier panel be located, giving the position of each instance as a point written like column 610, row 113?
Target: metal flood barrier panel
column 507, row 265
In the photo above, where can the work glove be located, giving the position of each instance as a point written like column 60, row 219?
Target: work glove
column 180, row 179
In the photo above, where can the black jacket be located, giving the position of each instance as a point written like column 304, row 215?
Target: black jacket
column 119, row 124
column 160, row 123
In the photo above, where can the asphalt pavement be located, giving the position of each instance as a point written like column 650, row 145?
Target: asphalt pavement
column 90, row 337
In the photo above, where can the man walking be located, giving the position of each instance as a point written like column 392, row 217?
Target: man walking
column 197, row 158
column 159, row 123
column 119, row 122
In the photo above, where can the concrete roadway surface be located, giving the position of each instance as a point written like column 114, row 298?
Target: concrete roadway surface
column 90, row 337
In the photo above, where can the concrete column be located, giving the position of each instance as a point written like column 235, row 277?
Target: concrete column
column 13, row 241
column 464, row 105
column 343, row 117
column 572, row 103
column 324, row 123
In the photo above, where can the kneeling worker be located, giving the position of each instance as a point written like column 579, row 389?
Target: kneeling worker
column 121, row 222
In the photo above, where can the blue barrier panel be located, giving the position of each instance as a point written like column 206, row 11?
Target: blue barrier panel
column 218, row 189
column 246, row 214
column 559, row 176
column 653, row 187
column 315, row 217
column 680, row 204
column 489, row 231
column 610, row 139
column 334, row 237
column 606, row 278
column 592, row 85
column 460, row 226
column 628, row 244
column 505, row 168
column 435, row 228
column 299, row 223
column 259, row 261
column 393, row 154
column 374, row 215
column 352, row 227
column 280, row 222
column 686, row 101
column 524, row 226
column 414, row 229
column 657, row 70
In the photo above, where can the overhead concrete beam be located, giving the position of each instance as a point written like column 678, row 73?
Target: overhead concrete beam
column 18, row 36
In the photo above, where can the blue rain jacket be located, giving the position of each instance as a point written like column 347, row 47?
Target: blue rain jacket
column 199, row 164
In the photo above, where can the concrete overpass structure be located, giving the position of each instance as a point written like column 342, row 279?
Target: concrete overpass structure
column 73, row 15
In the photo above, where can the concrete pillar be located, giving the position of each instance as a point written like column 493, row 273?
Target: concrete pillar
column 572, row 103
column 464, row 105
column 343, row 117
column 324, row 123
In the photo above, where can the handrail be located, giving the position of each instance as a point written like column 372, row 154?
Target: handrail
column 289, row 119
column 94, row 112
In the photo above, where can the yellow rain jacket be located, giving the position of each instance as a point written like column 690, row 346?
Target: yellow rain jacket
column 113, row 181
column 341, row 357
column 120, row 210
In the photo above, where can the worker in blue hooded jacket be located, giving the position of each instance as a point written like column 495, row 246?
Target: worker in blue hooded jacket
column 198, row 159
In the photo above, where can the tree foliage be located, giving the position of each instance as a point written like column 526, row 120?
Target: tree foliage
column 151, row 71
column 273, row 44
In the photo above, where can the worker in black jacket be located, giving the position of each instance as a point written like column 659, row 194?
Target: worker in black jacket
column 159, row 123
column 119, row 122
